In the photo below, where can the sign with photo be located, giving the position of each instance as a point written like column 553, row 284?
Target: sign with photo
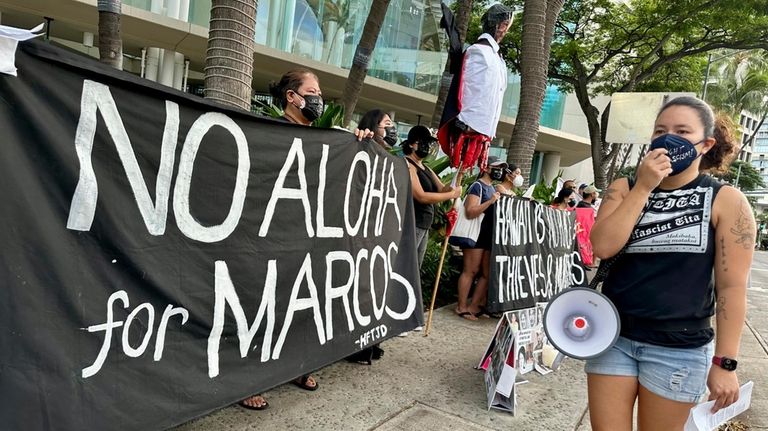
column 498, row 363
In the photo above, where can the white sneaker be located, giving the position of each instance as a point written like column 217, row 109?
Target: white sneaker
column 404, row 334
column 419, row 328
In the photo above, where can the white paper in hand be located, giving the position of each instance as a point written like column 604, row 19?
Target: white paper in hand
column 702, row 419
column 9, row 40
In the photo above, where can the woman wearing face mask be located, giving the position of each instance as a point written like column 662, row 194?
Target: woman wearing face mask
column 513, row 180
column 427, row 188
column 382, row 126
column 298, row 93
column 480, row 199
column 564, row 200
column 683, row 245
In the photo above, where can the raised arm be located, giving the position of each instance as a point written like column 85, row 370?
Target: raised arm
column 428, row 198
column 443, row 186
column 621, row 207
column 735, row 243
column 472, row 205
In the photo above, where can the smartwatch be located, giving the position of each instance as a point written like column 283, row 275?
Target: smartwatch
column 725, row 362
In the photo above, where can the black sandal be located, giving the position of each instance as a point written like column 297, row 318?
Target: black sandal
column 363, row 357
column 261, row 407
column 482, row 313
column 302, row 383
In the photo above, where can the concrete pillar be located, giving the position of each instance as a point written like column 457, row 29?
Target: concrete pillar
column 288, row 18
column 273, row 27
column 166, row 68
column 178, row 71
column 153, row 64
column 550, row 166
column 173, row 7
column 184, row 10
column 156, row 7
column 88, row 39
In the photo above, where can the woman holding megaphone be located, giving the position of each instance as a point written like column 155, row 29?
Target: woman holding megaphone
column 680, row 245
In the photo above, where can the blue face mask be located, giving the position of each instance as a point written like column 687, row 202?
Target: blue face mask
column 681, row 151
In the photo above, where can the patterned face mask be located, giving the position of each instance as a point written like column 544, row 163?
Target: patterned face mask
column 681, row 151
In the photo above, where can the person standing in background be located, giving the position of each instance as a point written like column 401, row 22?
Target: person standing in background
column 513, row 180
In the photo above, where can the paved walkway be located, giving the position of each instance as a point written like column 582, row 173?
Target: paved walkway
column 429, row 383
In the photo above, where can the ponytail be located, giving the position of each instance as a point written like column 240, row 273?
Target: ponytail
column 720, row 156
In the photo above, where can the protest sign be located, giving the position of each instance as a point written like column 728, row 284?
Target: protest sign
column 165, row 256
column 499, row 371
column 534, row 255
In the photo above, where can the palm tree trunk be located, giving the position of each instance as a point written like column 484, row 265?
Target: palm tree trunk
column 362, row 57
column 110, row 42
column 462, row 22
column 229, row 61
column 539, row 17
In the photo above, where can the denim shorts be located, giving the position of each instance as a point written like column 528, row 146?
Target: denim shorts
column 677, row 374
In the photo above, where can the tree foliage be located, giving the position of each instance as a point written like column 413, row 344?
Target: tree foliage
column 605, row 46
column 740, row 82
column 749, row 178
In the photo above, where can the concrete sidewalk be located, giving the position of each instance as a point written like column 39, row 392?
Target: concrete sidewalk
column 429, row 383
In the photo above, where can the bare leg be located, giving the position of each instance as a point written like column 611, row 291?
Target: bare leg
column 480, row 296
column 611, row 401
column 472, row 261
column 657, row 413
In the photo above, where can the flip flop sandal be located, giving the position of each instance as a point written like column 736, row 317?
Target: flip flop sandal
column 365, row 357
column 464, row 315
column 483, row 314
column 302, row 383
column 249, row 407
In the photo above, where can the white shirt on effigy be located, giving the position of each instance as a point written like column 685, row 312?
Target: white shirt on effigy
column 485, row 80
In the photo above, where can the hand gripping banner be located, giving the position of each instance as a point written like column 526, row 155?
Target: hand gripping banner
column 164, row 257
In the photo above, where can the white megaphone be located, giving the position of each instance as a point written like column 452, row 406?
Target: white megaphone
column 581, row 323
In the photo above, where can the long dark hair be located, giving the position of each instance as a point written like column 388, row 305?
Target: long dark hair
column 371, row 120
column 562, row 195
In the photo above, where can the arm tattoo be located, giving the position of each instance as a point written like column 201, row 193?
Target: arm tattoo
column 720, row 309
column 743, row 229
column 608, row 194
column 722, row 254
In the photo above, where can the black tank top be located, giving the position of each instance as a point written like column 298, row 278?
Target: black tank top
column 424, row 212
column 666, row 272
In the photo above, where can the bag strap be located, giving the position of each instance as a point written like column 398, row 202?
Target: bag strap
column 605, row 265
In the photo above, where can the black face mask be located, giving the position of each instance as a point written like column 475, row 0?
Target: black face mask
column 423, row 149
column 572, row 203
column 313, row 107
column 497, row 174
column 391, row 136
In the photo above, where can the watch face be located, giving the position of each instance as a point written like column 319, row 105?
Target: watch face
column 728, row 364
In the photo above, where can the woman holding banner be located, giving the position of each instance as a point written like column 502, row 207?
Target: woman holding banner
column 427, row 188
column 480, row 199
column 680, row 246
column 513, row 180
column 298, row 93
column 381, row 126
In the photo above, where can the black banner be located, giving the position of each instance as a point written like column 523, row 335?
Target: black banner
column 164, row 256
column 534, row 255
